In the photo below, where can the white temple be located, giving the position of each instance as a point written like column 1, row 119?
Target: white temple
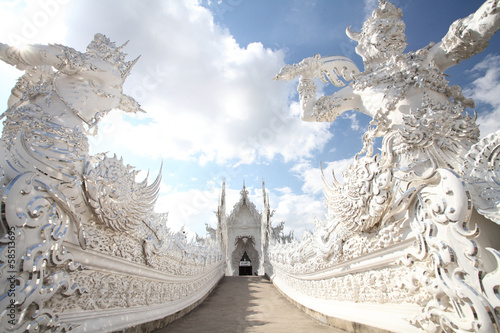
column 411, row 242
column 244, row 234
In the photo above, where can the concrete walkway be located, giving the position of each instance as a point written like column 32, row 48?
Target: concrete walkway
column 246, row 304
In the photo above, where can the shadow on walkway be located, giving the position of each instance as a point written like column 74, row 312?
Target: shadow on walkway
column 246, row 304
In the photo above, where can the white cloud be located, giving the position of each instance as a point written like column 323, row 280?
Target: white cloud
column 370, row 6
column 206, row 97
column 297, row 210
column 352, row 116
column 486, row 89
column 191, row 209
column 29, row 22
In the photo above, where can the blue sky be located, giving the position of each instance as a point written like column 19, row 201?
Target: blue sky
column 213, row 110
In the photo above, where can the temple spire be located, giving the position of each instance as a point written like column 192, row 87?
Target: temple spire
column 264, row 196
column 244, row 192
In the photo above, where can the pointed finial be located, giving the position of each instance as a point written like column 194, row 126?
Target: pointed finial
column 127, row 67
column 123, row 45
column 244, row 192
column 223, row 191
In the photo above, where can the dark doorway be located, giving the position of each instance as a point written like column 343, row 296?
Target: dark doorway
column 245, row 265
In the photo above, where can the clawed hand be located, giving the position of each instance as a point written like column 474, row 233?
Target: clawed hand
column 332, row 67
column 308, row 68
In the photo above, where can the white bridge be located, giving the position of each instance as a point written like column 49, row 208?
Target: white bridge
column 411, row 241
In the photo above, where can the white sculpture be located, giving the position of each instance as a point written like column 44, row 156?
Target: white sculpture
column 481, row 174
column 56, row 197
column 414, row 188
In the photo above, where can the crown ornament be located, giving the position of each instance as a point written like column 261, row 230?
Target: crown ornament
column 103, row 48
column 386, row 11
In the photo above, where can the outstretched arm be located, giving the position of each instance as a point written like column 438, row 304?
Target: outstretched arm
column 326, row 108
column 32, row 55
column 329, row 107
column 468, row 36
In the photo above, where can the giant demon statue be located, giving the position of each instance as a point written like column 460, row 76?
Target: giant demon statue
column 427, row 154
column 419, row 115
column 50, row 185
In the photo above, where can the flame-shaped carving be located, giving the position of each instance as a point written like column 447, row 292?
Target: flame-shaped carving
column 482, row 173
column 117, row 199
column 361, row 201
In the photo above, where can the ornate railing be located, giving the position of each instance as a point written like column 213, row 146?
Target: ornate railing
column 434, row 265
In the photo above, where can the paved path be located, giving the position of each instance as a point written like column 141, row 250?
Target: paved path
column 246, row 304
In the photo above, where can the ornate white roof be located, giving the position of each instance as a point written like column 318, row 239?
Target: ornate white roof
column 239, row 208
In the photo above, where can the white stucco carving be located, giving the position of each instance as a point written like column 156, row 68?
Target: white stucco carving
column 413, row 231
column 481, row 174
column 406, row 210
column 78, row 232
column 245, row 230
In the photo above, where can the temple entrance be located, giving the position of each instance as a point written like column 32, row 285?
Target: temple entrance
column 245, row 265
column 245, row 258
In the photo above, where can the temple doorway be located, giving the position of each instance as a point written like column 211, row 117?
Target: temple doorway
column 245, row 258
column 245, row 265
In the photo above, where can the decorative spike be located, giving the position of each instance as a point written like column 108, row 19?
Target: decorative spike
column 128, row 67
column 123, row 45
column 128, row 104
